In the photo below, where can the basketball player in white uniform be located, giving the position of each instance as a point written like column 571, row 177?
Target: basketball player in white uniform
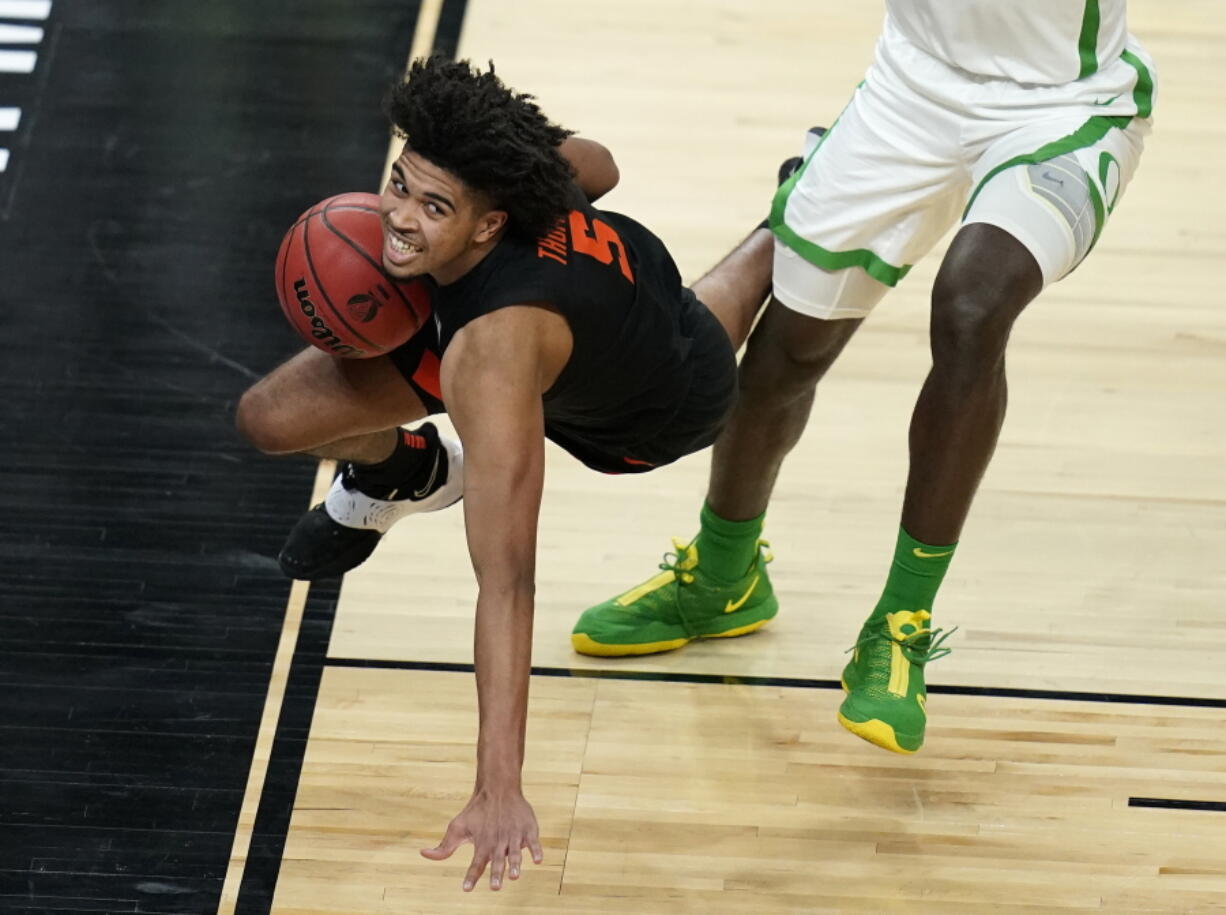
column 1023, row 122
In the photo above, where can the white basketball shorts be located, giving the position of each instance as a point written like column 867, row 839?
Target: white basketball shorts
column 922, row 145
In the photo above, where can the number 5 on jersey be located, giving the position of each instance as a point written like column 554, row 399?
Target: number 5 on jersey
column 598, row 239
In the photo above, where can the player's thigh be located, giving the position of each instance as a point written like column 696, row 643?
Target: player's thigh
column 315, row 399
column 872, row 197
column 1053, row 191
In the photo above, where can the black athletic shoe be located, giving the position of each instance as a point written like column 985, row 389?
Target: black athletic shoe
column 788, row 168
column 319, row 547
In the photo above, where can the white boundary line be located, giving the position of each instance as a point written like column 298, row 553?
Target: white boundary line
column 25, row 9
column 18, row 61
column 268, row 720
column 20, row 34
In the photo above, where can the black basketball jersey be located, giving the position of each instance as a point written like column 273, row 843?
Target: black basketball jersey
column 634, row 358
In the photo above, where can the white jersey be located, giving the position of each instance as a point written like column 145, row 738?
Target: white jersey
column 1028, row 41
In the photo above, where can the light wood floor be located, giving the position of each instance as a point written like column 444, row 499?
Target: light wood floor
column 1093, row 560
column 701, row 798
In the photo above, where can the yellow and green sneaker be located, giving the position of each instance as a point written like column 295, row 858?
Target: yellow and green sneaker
column 680, row 604
column 884, row 680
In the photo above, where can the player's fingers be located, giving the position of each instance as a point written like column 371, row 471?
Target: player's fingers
column 452, row 839
column 479, row 859
column 475, row 870
column 534, row 845
column 514, row 863
column 498, row 866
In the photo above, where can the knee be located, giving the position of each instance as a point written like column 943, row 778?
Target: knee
column 256, row 419
column 776, row 375
column 986, row 280
column 785, row 364
column 970, row 327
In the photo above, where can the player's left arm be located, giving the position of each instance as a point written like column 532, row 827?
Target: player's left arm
column 595, row 171
column 493, row 375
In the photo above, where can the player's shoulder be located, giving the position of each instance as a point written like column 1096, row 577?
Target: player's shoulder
column 523, row 340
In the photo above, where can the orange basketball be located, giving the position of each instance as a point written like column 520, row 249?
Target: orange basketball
column 331, row 283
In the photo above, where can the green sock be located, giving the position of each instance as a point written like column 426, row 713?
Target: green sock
column 915, row 576
column 726, row 548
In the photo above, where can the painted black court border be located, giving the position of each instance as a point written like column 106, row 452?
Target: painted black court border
column 999, row 692
column 271, row 828
column 1176, row 804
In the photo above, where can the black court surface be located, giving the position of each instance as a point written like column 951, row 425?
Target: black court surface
column 154, row 152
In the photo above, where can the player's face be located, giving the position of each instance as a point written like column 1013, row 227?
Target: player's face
column 432, row 222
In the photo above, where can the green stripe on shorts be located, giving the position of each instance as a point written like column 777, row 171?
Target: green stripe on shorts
column 815, row 254
column 1088, row 133
column 1143, row 92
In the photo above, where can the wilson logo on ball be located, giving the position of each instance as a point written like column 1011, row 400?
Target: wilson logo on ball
column 319, row 330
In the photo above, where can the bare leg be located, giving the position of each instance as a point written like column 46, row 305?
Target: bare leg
column 316, row 404
column 735, row 289
column 985, row 281
column 370, row 448
column 787, row 355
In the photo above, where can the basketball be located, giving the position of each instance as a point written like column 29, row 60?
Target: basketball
column 331, row 283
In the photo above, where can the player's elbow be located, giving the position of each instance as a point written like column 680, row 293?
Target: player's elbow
column 605, row 174
column 596, row 172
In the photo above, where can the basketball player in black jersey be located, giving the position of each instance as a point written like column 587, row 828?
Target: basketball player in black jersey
column 553, row 320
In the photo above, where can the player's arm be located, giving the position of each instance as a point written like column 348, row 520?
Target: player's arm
column 493, row 375
column 595, row 171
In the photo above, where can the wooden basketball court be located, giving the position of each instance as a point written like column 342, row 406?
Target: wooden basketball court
column 1076, row 757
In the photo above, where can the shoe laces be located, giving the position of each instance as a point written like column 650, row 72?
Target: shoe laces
column 681, row 561
column 684, row 560
column 918, row 647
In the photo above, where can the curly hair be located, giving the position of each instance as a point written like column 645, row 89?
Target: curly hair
column 495, row 140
